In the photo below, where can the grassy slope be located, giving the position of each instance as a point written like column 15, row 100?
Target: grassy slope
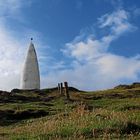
column 109, row 114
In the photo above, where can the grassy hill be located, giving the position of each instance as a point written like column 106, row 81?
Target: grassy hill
column 45, row 114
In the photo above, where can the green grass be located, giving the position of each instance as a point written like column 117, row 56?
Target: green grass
column 109, row 114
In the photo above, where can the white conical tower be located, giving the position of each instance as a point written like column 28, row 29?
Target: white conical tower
column 30, row 76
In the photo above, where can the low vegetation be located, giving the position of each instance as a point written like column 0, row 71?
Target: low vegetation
column 46, row 115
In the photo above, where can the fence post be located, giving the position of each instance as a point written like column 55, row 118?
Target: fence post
column 61, row 88
column 66, row 90
column 58, row 87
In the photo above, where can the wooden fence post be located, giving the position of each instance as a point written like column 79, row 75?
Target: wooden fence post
column 66, row 90
column 58, row 87
column 61, row 88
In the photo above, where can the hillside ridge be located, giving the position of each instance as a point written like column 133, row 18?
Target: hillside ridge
column 45, row 114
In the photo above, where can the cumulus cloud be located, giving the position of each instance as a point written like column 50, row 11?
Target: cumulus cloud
column 11, row 49
column 101, row 69
column 101, row 73
column 118, row 24
column 11, row 55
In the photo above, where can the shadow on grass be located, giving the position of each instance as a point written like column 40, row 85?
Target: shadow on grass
column 130, row 128
column 9, row 117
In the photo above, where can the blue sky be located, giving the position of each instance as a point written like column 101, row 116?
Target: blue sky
column 92, row 44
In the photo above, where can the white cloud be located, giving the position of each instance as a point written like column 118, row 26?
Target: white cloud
column 102, row 69
column 117, row 21
column 103, row 72
column 11, row 56
column 118, row 24
column 12, row 50
column 85, row 50
column 118, row 66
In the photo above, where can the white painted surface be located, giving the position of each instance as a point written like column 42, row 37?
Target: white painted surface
column 30, row 76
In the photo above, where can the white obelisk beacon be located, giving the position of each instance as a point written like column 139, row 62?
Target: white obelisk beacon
column 30, row 78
